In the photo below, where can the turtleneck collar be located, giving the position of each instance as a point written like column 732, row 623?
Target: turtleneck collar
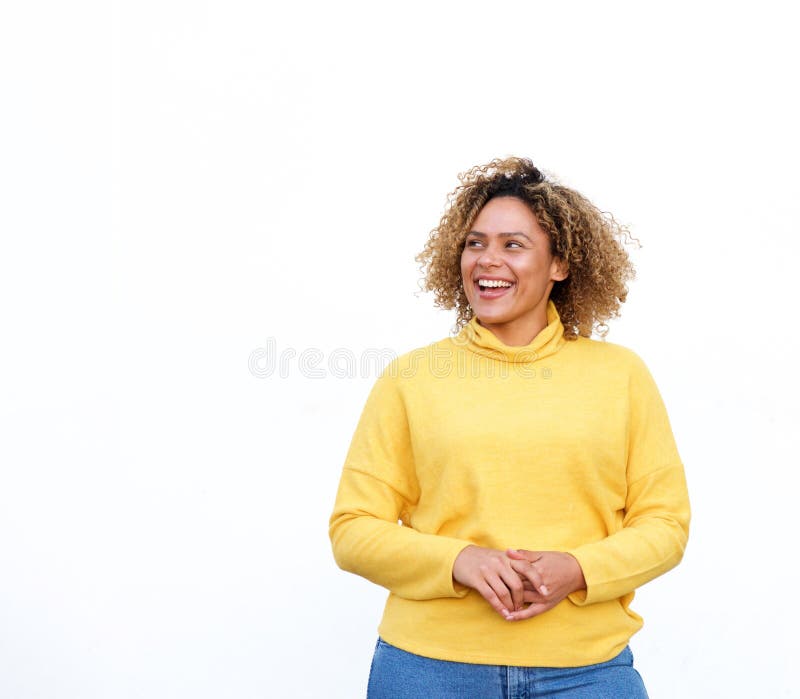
column 483, row 341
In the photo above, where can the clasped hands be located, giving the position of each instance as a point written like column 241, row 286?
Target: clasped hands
column 509, row 580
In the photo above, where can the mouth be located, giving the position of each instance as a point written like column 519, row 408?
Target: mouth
column 492, row 289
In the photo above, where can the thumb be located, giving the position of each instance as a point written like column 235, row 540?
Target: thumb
column 523, row 555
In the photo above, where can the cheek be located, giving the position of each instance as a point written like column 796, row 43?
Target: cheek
column 527, row 268
column 466, row 275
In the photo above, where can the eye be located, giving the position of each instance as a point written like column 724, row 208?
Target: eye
column 473, row 242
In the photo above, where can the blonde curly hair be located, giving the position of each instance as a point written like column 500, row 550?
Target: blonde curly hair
column 580, row 234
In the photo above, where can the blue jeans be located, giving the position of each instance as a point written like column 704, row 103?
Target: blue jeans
column 397, row 674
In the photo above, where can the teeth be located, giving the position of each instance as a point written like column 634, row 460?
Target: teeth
column 493, row 282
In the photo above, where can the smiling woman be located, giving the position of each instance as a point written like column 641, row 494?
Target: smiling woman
column 531, row 502
column 584, row 238
column 506, row 239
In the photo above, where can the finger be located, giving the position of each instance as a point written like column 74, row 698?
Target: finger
column 500, row 589
column 532, row 574
column 497, row 586
column 516, row 554
column 522, row 554
column 491, row 597
column 532, row 596
column 513, row 582
column 530, row 611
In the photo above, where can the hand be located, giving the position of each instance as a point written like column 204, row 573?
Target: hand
column 491, row 573
column 550, row 575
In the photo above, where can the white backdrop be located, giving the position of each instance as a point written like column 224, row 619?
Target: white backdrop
column 189, row 186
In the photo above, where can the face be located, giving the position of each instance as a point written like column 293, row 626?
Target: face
column 507, row 247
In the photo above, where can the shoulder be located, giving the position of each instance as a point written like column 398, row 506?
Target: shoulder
column 618, row 365
column 418, row 362
column 610, row 354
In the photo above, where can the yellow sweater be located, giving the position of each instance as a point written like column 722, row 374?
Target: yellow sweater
column 558, row 445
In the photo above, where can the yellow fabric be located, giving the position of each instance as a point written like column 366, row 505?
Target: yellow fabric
column 559, row 445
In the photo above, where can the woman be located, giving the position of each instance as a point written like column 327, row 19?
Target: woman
column 512, row 485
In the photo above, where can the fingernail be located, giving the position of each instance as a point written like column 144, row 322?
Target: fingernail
column 543, row 589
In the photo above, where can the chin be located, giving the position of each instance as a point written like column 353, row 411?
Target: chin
column 491, row 316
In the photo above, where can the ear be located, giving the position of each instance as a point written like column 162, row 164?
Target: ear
column 559, row 270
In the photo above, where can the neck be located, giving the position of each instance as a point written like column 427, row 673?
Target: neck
column 520, row 332
column 548, row 339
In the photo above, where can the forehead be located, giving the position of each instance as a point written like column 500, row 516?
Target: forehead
column 505, row 215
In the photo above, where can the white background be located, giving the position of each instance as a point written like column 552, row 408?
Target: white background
column 185, row 182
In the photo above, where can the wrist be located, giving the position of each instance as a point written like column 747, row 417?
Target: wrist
column 579, row 581
column 459, row 559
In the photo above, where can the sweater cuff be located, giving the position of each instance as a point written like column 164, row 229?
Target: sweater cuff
column 587, row 596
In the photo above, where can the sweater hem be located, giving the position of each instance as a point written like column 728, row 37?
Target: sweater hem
column 506, row 659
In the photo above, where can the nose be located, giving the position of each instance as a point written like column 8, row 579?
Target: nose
column 489, row 257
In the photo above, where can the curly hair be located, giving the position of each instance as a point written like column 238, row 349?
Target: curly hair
column 580, row 234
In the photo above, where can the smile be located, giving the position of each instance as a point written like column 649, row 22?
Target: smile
column 493, row 289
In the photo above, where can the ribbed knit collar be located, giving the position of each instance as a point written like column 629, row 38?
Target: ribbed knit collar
column 483, row 341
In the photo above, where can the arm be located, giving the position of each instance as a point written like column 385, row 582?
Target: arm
column 655, row 525
column 378, row 487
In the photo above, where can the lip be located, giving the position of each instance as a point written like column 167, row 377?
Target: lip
column 490, row 278
column 493, row 293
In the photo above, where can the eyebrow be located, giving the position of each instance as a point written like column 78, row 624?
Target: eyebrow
column 500, row 235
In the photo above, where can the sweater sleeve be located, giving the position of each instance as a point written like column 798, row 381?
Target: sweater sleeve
column 655, row 524
column 369, row 528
